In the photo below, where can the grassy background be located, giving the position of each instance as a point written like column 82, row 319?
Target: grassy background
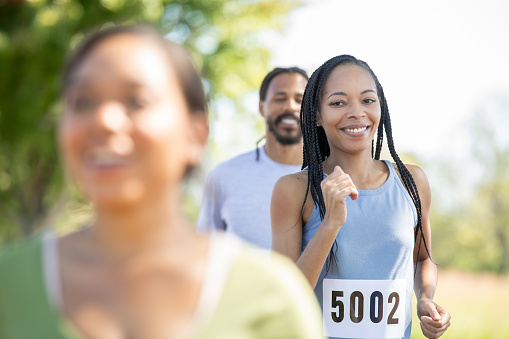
column 478, row 304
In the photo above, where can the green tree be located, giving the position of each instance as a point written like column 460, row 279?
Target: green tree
column 35, row 37
column 489, row 206
column 474, row 234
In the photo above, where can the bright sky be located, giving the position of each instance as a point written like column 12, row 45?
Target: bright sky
column 437, row 60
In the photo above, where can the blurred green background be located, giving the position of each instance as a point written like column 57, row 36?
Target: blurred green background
column 36, row 37
column 470, row 233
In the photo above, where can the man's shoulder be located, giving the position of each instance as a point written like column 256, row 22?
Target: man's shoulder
column 244, row 160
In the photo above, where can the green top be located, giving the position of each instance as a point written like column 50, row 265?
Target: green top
column 259, row 299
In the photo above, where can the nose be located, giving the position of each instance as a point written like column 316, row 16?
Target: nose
column 293, row 105
column 356, row 110
column 111, row 116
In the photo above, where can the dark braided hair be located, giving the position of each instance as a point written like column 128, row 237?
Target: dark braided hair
column 265, row 86
column 316, row 148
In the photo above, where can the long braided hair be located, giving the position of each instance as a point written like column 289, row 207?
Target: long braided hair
column 316, row 147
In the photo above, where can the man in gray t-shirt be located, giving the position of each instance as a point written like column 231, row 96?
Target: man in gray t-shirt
column 238, row 191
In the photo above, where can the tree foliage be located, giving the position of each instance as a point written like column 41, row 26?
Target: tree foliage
column 475, row 235
column 36, row 36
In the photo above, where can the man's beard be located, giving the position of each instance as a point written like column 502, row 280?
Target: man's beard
column 284, row 139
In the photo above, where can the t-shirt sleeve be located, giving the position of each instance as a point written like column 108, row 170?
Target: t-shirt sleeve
column 25, row 311
column 299, row 314
column 266, row 298
column 209, row 217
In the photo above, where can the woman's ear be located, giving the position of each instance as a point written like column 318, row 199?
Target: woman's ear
column 198, row 136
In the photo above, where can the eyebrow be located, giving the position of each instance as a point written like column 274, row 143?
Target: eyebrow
column 343, row 93
column 280, row 93
column 85, row 83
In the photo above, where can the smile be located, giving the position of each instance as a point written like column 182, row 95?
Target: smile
column 289, row 121
column 105, row 158
column 355, row 130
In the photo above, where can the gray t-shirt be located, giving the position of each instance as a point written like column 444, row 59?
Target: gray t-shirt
column 237, row 196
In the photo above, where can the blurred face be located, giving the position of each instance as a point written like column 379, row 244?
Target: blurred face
column 126, row 133
column 281, row 107
column 349, row 109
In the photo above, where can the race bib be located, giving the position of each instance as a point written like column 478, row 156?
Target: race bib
column 364, row 308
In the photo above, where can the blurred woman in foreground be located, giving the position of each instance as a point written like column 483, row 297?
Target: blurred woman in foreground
column 134, row 124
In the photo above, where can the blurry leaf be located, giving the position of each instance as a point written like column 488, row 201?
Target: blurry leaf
column 36, row 36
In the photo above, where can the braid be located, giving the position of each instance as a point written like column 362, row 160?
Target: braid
column 316, row 148
column 406, row 177
column 380, row 134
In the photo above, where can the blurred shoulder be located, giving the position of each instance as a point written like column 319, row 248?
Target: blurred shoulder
column 276, row 284
column 20, row 269
column 13, row 254
column 255, row 266
column 241, row 159
column 233, row 166
column 264, row 296
column 277, row 269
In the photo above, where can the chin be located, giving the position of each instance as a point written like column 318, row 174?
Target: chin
column 117, row 197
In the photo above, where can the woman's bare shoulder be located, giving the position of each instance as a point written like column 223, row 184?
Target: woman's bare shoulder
column 293, row 183
column 418, row 174
column 420, row 179
column 290, row 194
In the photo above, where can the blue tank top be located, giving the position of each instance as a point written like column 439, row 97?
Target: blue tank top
column 375, row 244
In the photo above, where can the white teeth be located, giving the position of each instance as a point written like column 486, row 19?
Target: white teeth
column 101, row 157
column 289, row 121
column 356, row 130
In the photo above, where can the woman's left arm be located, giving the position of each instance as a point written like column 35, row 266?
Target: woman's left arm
column 434, row 319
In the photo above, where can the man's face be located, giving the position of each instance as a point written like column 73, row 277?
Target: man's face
column 281, row 107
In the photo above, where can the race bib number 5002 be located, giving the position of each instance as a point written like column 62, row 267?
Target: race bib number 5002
column 364, row 308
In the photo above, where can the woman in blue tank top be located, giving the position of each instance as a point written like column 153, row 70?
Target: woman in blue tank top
column 357, row 227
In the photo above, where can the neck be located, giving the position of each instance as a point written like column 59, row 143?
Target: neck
column 360, row 167
column 284, row 154
column 157, row 221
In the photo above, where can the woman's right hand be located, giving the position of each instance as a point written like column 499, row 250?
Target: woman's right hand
column 286, row 208
column 335, row 189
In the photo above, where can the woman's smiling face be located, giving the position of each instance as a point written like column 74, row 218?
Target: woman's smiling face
column 349, row 109
column 126, row 132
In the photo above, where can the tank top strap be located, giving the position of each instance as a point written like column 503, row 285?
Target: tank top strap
column 393, row 175
column 392, row 170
